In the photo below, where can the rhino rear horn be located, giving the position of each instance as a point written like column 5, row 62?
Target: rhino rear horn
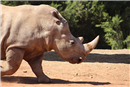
column 88, row 47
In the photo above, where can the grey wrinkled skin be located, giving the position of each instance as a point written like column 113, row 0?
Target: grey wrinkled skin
column 29, row 31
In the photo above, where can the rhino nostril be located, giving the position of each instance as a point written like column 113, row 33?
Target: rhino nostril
column 80, row 59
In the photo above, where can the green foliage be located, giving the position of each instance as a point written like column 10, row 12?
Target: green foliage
column 127, row 41
column 114, row 35
column 71, row 13
column 14, row 3
column 123, row 10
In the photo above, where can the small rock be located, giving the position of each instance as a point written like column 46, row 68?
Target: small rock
column 24, row 71
column 77, row 74
column 47, row 73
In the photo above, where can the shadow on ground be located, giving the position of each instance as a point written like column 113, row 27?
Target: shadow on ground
column 92, row 57
column 32, row 80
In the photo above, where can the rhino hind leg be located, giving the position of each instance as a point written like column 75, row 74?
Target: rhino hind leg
column 36, row 66
column 14, row 58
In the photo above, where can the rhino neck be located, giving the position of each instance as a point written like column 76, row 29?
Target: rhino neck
column 48, row 44
column 48, row 41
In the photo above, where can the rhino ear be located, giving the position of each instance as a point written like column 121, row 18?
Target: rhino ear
column 81, row 39
column 57, row 17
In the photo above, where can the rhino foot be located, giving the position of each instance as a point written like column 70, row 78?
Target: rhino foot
column 36, row 65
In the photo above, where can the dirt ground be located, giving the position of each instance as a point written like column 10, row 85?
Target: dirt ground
column 102, row 68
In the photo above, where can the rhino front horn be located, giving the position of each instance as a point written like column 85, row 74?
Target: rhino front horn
column 88, row 47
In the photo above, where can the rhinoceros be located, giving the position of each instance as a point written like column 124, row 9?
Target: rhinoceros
column 27, row 32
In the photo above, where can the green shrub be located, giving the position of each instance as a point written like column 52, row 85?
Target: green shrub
column 127, row 41
column 114, row 35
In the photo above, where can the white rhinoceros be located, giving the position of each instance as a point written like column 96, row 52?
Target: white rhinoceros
column 28, row 31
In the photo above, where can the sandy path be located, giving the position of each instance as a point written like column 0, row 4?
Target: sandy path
column 102, row 68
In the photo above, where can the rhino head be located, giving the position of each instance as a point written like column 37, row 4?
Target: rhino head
column 66, row 45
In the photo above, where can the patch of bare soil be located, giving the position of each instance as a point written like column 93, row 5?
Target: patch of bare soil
column 102, row 68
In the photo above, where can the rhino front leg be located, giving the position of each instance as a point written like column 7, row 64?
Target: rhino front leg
column 35, row 64
column 14, row 58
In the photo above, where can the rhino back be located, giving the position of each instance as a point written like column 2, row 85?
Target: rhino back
column 24, row 27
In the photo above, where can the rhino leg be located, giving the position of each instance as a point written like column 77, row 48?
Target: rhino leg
column 36, row 66
column 14, row 58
